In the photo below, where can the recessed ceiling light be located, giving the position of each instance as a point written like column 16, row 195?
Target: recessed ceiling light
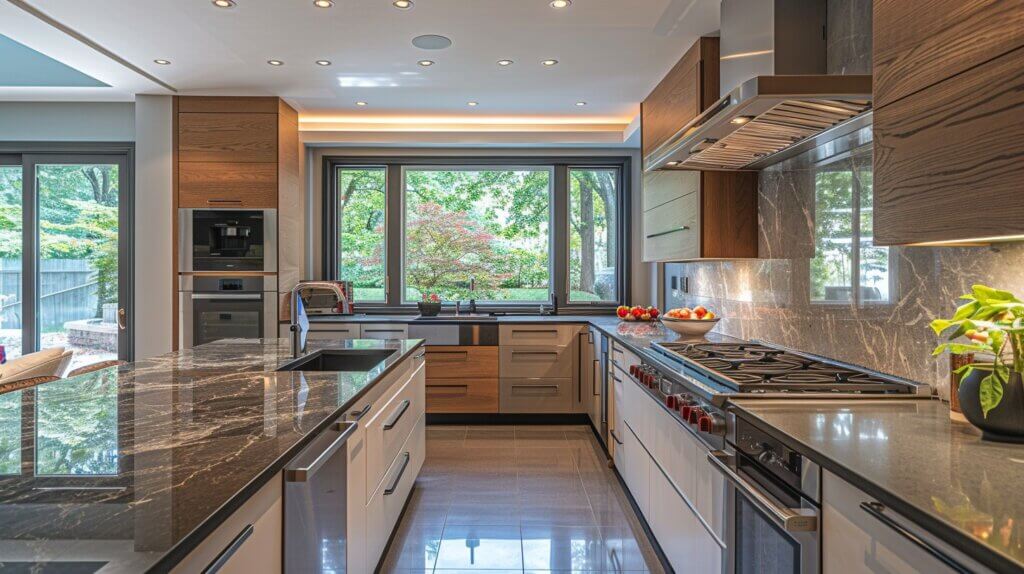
column 581, row 103
column 323, row 3
column 426, row 63
column 549, row 62
column 323, row 62
column 163, row 62
column 360, row 103
column 560, row 3
column 505, row 62
column 224, row 3
column 471, row 104
column 275, row 62
column 402, row 4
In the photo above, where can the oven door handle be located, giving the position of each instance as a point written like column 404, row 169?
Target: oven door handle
column 226, row 297
column 788, row 519
column 877, row 511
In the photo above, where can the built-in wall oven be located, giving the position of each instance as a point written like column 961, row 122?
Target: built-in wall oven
column 237, row 307
column 773, row 512
column 227, row 240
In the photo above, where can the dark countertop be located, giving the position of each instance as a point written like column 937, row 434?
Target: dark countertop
column 912, row 458
column 135, row 466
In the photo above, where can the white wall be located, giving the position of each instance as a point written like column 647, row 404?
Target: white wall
column 641, row 274
column 67, row 121
column 153, row 214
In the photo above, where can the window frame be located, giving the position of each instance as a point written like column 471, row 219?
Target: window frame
column 558, row 224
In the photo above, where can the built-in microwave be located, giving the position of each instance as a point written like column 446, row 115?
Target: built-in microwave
column 227, row 240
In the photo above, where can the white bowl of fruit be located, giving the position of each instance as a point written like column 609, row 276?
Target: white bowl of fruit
column 637, row 313
column 693, row 322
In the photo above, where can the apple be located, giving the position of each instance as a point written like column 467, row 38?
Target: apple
column 709, row 316
column 685, row 313
column 637, row 311
column 622, row 311
column 645, row 317
column 630, row 317
column 654, row 312
column 700, row 311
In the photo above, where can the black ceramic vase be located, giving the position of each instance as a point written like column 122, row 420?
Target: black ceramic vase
column 429, row 308
column 1005, row 423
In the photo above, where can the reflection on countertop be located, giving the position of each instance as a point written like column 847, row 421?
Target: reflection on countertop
column 121, row 466
column 910, row 456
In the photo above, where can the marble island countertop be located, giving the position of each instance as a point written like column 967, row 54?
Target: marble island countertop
column 128, row 469
column 912, row 458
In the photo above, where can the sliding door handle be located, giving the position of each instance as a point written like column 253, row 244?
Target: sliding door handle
column 122, row 319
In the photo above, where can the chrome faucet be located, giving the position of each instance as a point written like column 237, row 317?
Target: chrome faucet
column 298, row 341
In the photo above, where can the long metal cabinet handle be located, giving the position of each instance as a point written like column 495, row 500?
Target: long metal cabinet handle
column 534, row 386
column 226, row 297
column 396, row 415
column 384, row 330
column 302, row 474
column 394, row 483
column 358, row 415
column 229, row 551
column 554, row 353
column 789, row 519
column 676, row 230
column 615, row 437
column 877, row 510
column 597, row 387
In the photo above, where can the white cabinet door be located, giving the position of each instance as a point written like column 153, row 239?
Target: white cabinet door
column 333, row 331
column 356, row 489
column 686, row 542
column 854, row 541
column 383, row 331
column 638, row 470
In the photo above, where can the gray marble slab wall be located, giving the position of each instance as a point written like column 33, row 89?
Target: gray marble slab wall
column 784, row 296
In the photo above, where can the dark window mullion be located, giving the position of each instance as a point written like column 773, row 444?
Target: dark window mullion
column 559, row 223
column 29, row 256
column 394, row 217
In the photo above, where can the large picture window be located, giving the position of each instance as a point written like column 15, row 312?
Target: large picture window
column 507, row 232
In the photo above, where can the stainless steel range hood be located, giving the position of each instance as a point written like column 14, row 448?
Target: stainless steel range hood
column 765, row 120
column 779, row 99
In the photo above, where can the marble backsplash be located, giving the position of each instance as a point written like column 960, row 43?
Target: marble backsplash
column 780, row 297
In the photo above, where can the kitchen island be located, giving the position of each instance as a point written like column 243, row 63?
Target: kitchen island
column 130, row 469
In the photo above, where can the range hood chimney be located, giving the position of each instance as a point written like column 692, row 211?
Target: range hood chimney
column 778, row 99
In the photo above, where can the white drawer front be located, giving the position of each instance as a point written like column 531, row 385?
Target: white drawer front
column 389, row 428
column 383, row 331
column 535, row 395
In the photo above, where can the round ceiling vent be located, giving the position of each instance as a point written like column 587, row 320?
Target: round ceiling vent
column 431, row 42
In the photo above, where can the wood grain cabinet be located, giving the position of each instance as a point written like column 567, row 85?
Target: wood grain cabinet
column 234, row 152
column 462, row 379
column 949, row 144
column 691, row 214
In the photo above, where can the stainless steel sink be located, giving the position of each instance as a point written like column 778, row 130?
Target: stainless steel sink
column 339, row 360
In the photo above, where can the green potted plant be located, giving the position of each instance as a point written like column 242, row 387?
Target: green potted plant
column 430, row 306
column 989, row 323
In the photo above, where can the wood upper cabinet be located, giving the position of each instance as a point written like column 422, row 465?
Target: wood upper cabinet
column 949, row 144
column 688, row 89
column 692, row 214
column 234, row 152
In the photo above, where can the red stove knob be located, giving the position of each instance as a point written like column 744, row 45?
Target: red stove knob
column 633, row 370
column 672, row 401
column 695, row 414
column 712, row 423
column 685, row 411
column 706, row 424
column 648, row 379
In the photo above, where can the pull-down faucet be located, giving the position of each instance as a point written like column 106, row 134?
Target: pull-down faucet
column 298, row 340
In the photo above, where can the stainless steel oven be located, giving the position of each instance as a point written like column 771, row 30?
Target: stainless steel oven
column 214, row 308
column 227, row 240
column 773, row 512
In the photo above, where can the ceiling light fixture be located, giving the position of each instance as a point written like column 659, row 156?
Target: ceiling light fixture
column 560, row 3
column 549, row 62
column 426, row 63
column 163, row 62
column 581, row 104
column 275, row 62
column 323, row 62
column 323, row 3
column 224, row 3
column 471, row 104
column 402, row 4
column 505, row 62
column 360, row 103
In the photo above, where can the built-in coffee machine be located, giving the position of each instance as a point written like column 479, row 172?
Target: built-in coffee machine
column 227, row 240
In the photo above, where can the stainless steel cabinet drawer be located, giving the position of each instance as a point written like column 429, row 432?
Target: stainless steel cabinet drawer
column 551, row 395
column 528, row 362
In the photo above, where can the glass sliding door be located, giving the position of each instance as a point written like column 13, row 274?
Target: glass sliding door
column 74, row 269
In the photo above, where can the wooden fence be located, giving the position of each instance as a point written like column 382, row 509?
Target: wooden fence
column 67, row 292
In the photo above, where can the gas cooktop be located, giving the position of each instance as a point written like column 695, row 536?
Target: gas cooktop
column 762, row 368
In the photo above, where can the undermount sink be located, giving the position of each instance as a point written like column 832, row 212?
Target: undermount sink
column 474, row 317
column 339, row 360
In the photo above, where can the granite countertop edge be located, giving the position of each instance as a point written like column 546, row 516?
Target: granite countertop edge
column 193, row 539
column 945, row 531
